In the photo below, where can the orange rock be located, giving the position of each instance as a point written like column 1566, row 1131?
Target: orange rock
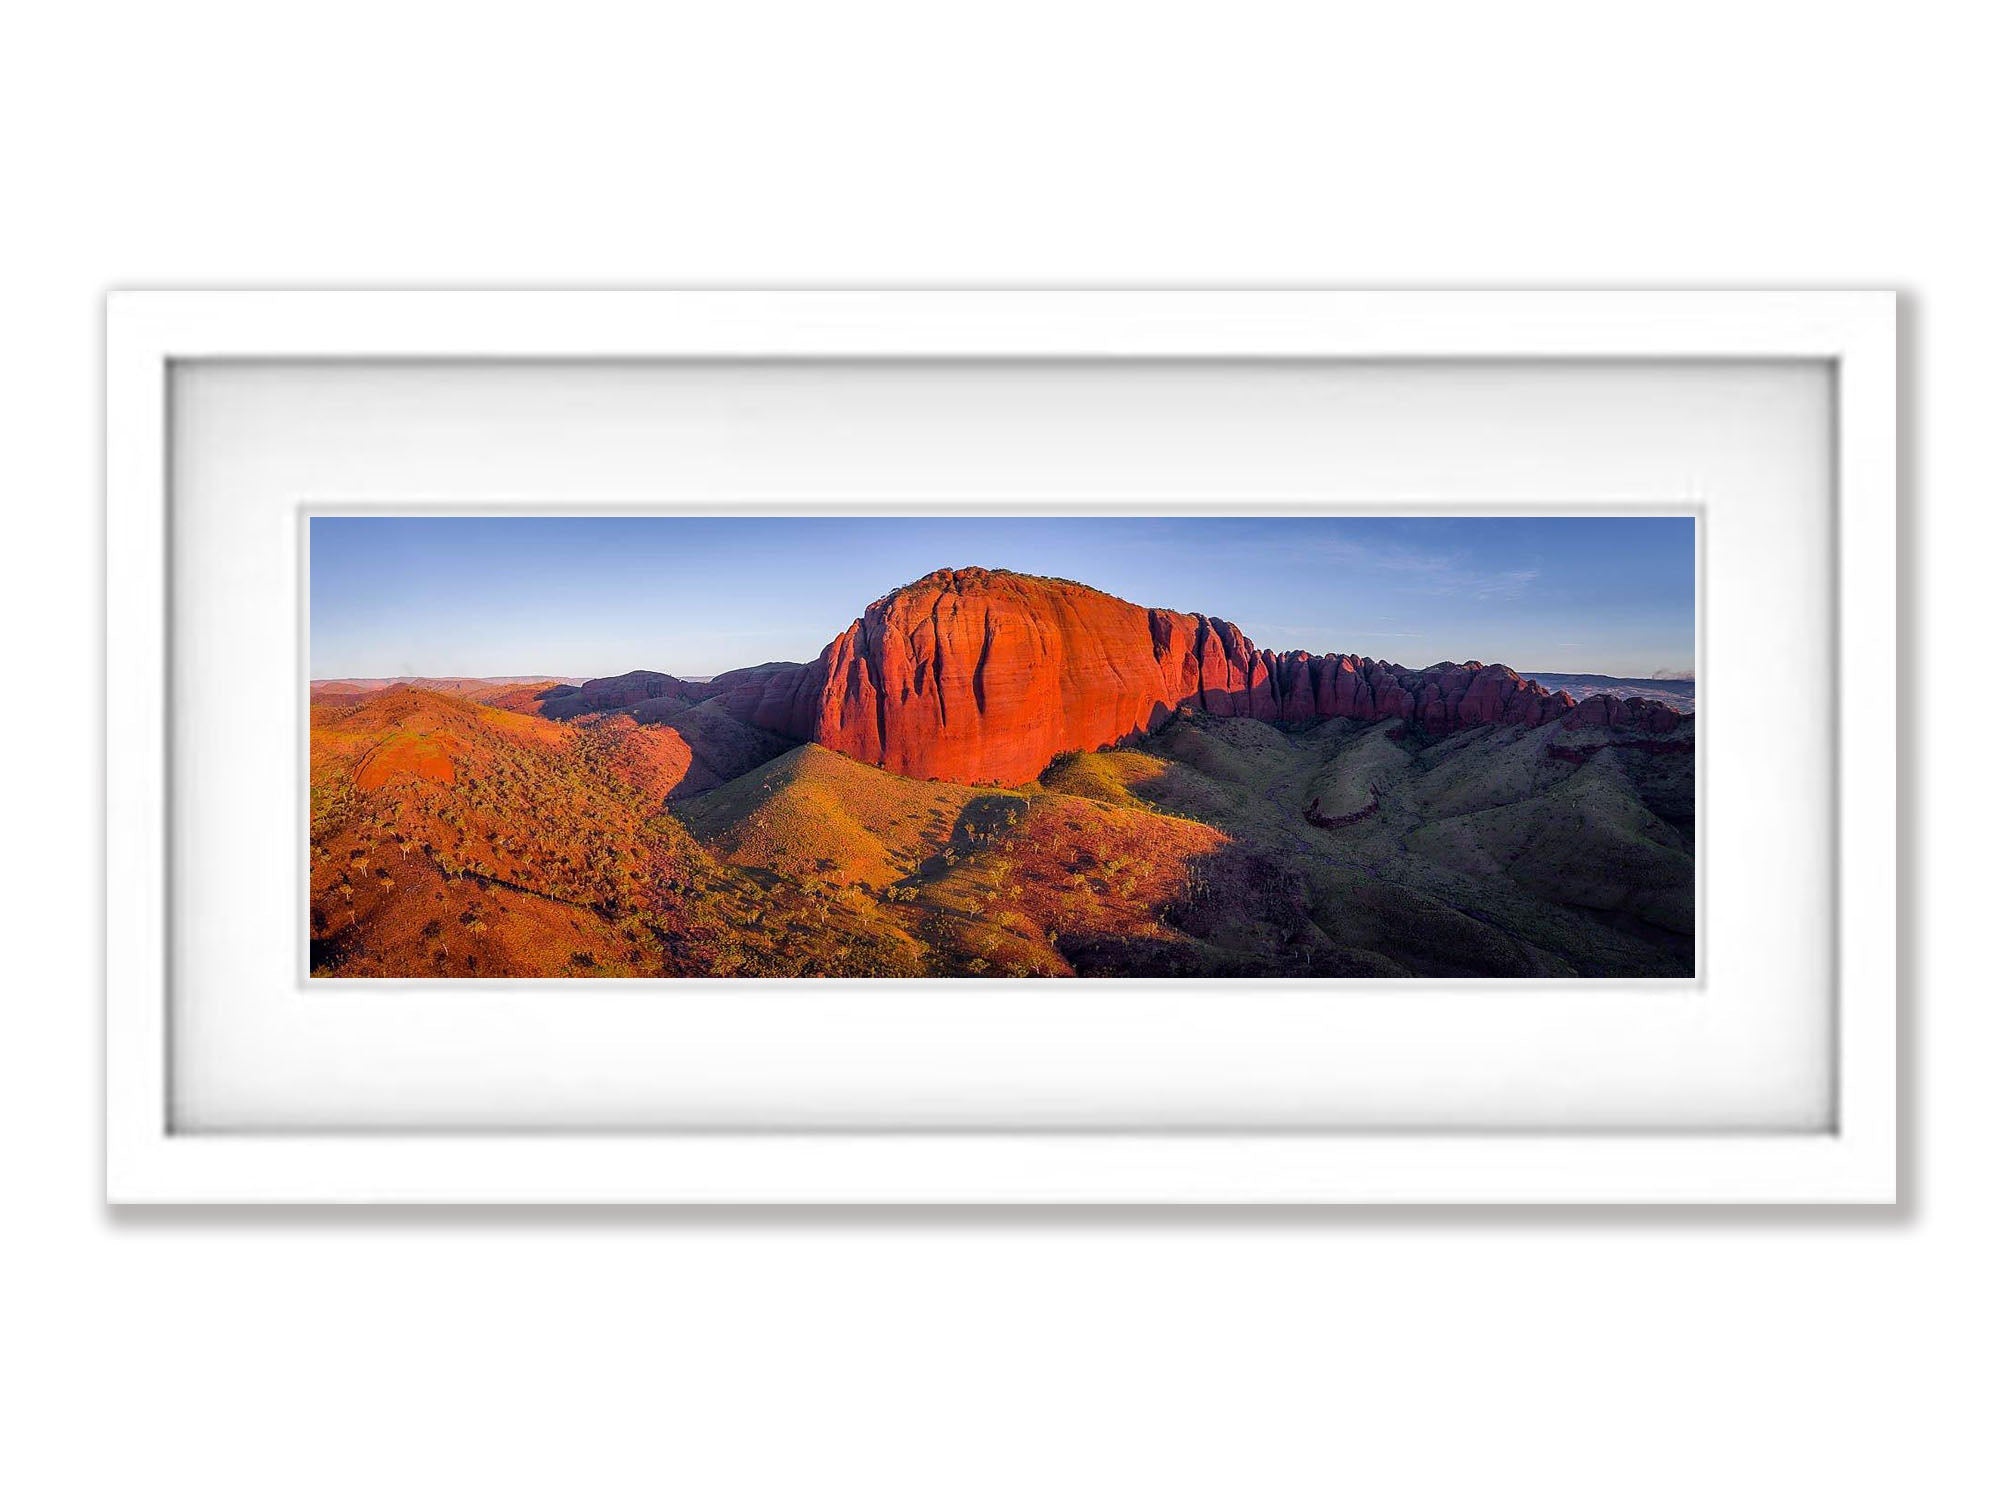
column 973, row 676
column 969, row 676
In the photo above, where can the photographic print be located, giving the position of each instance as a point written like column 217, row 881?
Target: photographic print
column 990, row 747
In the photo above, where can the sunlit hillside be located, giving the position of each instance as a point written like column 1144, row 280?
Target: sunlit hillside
column 471, row 839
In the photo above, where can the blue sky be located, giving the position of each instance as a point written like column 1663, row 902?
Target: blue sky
column 591, row 596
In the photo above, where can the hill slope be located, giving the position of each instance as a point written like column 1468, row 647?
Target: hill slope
column 452, row 839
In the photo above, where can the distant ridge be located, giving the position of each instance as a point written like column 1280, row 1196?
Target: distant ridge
column 1662, row 678
column 1677, row 692
column 435, row 684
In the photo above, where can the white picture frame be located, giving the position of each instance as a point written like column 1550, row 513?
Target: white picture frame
column 1853, row 1160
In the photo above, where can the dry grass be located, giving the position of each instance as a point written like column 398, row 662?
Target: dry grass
column 812, row 814
column 548, row 853
column 453, row 837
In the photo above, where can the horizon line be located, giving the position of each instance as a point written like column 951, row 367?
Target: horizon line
column 580, row 677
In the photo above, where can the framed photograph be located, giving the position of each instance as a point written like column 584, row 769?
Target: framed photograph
column 1001, row 747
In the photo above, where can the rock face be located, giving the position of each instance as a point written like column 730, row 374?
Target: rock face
column 973, row 676
column 782, row 696
column 968, row 675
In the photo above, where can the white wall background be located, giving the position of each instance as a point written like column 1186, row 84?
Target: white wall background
column 786, row 1354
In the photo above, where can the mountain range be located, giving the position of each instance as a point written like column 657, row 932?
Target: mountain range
column 1676, row 690
column 993, row 773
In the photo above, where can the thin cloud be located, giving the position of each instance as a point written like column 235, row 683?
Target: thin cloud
column 1504, row 586
column 1421, row 570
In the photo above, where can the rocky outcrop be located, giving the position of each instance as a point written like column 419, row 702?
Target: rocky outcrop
column 968, row 675
column 1360, row 814
column 602, row 694
column 635, row 687
column 1608, row 711
column 973, row 676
